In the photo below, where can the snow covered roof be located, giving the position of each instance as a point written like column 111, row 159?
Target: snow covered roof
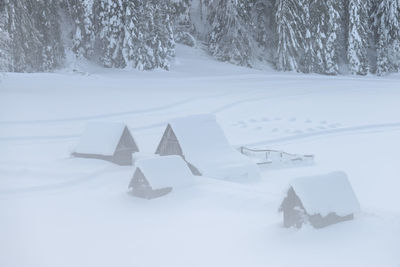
column 204, row 145
column 327, row 193
column 100, row 138
column 165, row 171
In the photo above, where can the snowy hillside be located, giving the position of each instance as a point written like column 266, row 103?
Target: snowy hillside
column 62, row 211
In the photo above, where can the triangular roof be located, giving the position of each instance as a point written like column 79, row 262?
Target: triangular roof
column 204, row 145
column 200, row 133
column 165, row 171
column 323, row 194
column 101, row 138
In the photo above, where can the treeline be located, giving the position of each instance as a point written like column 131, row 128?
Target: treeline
column 310, row 36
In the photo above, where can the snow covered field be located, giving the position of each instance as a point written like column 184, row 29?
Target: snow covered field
column 59, row 211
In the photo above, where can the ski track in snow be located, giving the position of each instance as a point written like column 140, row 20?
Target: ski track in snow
column 322, row 133
column 165, row 108
column 258, row 99
column 58, row 186
column 110, row 115
column 39, row 137
column 141, row 112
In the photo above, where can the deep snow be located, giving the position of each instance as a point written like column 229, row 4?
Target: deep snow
column 63, row 211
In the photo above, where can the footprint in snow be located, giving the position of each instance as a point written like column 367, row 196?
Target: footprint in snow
column 323, row 122
column 275, row 130
column 265, row 119
column 321, row 127
column 278, row 119
column 253, row 120
column 258, row 128
column 292, row 119
column 308, row 121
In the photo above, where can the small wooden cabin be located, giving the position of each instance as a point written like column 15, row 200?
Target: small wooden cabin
column 319, row 200
column 200, row 141
column 107, row 141
column 158, row 176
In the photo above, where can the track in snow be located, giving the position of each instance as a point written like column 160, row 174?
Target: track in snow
column 118, row 114
column 220, row 109
column 57, row 186
column 137, row 112
column 345, row 130
column 165, row 108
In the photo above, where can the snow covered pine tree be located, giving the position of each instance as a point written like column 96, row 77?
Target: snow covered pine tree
column 307, row 61
column 158, row 35
column 5, row 40
column 230, row 38
column 387, row 27
column 25, row 41
column 291, row 31
column 47, row 23
column 324, row 28
column 263, row 28
column 332, row 32
column 357, row 49
column 83, row 35
column 109, row 14
column 183, row 26
column 149, row 41
column 317, row 36
column 307, row 35
column 33, row 28
column 131, row 45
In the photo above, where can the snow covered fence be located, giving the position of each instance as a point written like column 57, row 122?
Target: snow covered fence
column 275, row 157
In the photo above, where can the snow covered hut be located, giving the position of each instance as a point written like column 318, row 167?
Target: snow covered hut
column 200, row 141
column 319, row 200
column 107, row 141
column 157, row 176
